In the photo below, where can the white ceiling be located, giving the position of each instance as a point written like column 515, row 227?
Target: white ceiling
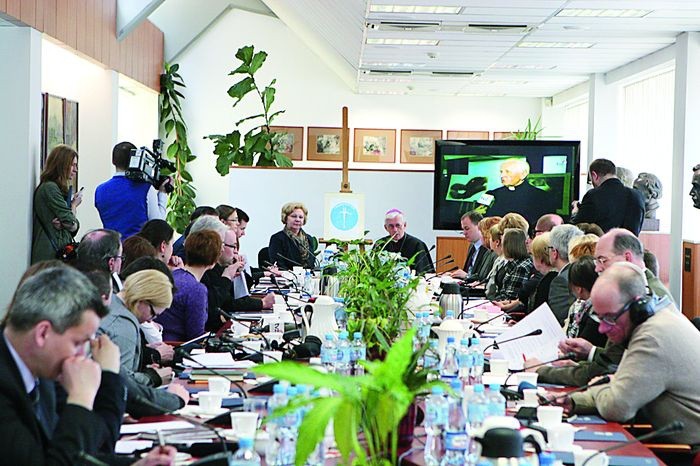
column 482, row 62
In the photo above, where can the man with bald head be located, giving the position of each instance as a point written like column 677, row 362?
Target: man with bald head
column 658, row 376
column 517, row 194
column 404, row 244
column 547, row 222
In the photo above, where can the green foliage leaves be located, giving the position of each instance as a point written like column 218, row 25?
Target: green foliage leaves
column 257, row 146
column 373, row 403
column 181, row 201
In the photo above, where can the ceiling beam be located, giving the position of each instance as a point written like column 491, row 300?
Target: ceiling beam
column 131, row 13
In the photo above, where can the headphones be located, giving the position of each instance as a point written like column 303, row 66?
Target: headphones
column 642, row 307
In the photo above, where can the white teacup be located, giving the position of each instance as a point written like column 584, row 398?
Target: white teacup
column 561, row 436
column 244, row 424
column 219, row 385
column 499, row 366
column 209, row 402
column 549, row 415
column 530, row 397
column 529, row 377
column 600, row 459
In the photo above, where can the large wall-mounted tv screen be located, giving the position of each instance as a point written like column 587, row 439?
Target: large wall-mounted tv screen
column 531, row 178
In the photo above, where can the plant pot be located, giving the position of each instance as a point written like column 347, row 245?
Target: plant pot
column 407, row 426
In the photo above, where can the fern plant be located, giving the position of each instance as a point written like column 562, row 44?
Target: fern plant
column 258, row 146
column 181, row 202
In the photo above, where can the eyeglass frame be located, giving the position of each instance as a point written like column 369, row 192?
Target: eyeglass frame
column 602, row 260
column 612, row 320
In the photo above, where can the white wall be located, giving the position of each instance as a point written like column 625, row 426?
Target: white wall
column 137, row 119
column 66, row 74
column 312, row 96
column 20, row 132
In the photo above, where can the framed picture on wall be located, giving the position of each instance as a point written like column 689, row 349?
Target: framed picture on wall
column 53, row 125
column 323, row 144
column 498, row 135
column 467, row 134
column 418, row 145
column 70, row 124
column 375, row 145
column 291, row 140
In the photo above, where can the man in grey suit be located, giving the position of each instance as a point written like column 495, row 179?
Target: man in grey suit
column 560, row 297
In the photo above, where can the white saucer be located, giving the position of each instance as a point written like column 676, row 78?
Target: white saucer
column 196, row 410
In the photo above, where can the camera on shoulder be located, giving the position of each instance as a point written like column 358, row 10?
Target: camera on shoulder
column 146, row 165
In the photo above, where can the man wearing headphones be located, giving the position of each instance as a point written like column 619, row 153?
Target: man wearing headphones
column 659, row 373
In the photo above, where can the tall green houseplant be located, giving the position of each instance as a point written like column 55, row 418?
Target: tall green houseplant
column 258, row 146
column 181, row 201
column 373, row 404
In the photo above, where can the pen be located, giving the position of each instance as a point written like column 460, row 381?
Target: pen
column 524, row 358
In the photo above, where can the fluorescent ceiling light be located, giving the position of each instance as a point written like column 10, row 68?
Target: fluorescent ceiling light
column 602, row 13
column 510, row 66
column 392, row 64
column 381, row 41
column 557, row 45
column 421, row 9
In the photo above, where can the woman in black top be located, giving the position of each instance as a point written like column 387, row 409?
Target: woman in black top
column 293, row 246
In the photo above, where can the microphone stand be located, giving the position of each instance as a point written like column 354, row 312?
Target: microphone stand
column 545, row 402
column 495, row 343
column 672, row 428
column 569, row 355
column 476, row 329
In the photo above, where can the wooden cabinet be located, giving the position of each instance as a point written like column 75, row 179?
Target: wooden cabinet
column 455, row 245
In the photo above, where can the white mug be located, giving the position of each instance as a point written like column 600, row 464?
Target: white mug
column 530, row 397
column 209, row 402
column 561, row 436
column 499, row 366
column 600, row 459
column 529, row 377
column 219, row 385
column 549, row 415
column 244, row 424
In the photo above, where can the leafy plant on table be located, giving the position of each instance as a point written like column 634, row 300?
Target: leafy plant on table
column 373, row 404
column 258, row 146
column 376, row 285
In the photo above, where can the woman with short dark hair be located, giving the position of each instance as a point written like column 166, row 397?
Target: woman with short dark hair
column 518, row 266
column 582, row 321
column 187, row 316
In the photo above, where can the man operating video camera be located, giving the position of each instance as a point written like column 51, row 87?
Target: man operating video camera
column 137, row 192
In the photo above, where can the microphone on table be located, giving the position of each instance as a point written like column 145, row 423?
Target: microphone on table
column 476, row 329
column 569, row 355
column 495, row 343
column 672, row 428
column 546, row 402
column 298, row 264
column 185, row 355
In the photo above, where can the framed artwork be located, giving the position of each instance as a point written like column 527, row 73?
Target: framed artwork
column 418, row 145
column 323, row 144
column 291, row 140
column 344, row 216
column 53, row 125
column 467, row 134
column 499, row 135
column 70, row 124
column 375, row 145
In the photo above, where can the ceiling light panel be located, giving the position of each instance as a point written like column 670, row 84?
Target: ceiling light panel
column 602, row 13
column 388, row 41
column 556, row 45
column 417, row 9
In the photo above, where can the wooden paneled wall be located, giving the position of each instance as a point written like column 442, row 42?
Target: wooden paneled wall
column 89, row 27
column 455, row 245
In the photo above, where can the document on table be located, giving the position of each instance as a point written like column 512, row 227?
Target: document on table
column 542, row 347
column 217, row 360
column 142, row 427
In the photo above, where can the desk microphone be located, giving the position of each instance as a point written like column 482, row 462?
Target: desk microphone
column 545, row 402
column 292, row 261
column 476, row 329
column 311, row 348
column 496, row 343
column 672, row 428
column 185, row 355
column 569, row 355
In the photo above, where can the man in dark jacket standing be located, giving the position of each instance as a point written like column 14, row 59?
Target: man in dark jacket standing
column 609, row 204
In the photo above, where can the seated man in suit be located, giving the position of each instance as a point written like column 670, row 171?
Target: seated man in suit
column 402, row 243
column 480, row 257
column 51, row 320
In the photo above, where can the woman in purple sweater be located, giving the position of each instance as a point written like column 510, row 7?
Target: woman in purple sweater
column 186, row 317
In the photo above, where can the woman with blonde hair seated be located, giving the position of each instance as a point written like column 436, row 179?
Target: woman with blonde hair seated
column 293, row 246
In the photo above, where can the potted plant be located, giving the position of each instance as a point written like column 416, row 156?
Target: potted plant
column 376, row 285
column 373, row 404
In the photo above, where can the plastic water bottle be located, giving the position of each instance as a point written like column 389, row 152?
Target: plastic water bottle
column 450, row 314
column 436, row 412
column 342, row 362
column 308, row 287
column 432, row 357
column 245, row 455
column 425, row 325
column 277, row 401
column 464, row 361
column 477, row 409
column 329, row 353
column 449, row 368
column 341, row 317
column 477, row 369
column 456, row 438
column 359, row 353
column 497, row 402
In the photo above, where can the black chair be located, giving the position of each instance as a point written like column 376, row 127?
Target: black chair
column 264, row 258
column 696, row 322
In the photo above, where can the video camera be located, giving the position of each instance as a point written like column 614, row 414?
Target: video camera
column 146, row 165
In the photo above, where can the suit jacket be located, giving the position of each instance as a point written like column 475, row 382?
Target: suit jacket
column 560, row 298
column 482, row 264
column 612, row 205
column 24, row 441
